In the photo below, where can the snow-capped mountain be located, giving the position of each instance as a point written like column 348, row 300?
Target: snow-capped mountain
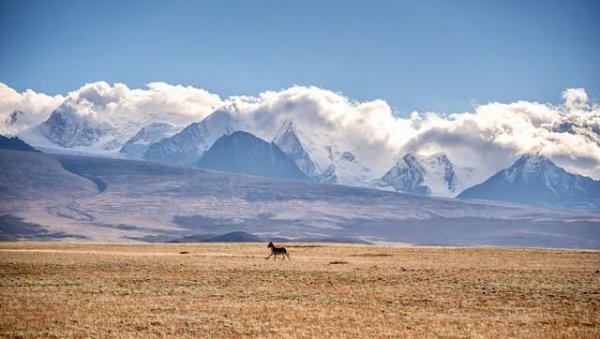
column 287, row 140
column 138, row 144
column 536, row 180
column 423, row 175
column 14, row 118
column 346, row 167
column 68, row 129
column 99, row 119
column 242, row 152
column 187, row 146
column 407, row 176
column 321, row 157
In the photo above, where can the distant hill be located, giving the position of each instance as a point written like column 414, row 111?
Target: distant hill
column 108, row 200
column 236, row 236
column 535, row 180
column 242, row 152
column 16, row 144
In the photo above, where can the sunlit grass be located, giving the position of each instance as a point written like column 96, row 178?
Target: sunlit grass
column 229, row 290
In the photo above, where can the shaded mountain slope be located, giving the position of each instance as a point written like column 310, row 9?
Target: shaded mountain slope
column 242, row 152
column 16, row 144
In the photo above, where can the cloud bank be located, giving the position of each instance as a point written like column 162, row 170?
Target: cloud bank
column 115, row 105
column 487, row 138
column 19, row 111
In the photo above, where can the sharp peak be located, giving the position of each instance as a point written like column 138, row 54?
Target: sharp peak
column 245, row 136
column 287, row 129
column 219, row 113
column 288, row 126
column 71, row 112
column 533, row 157
column 241, row 132
column 158, row 123
column 410, row 155
column 528, row 162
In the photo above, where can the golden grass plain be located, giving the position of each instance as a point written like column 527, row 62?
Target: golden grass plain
column 230, row 290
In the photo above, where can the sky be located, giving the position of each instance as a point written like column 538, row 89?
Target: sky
column 442, row 56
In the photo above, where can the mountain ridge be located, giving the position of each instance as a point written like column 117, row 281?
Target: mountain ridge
column 15, row 143
column 536, row 180
column 187, row 146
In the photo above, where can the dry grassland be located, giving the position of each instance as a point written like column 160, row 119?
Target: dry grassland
column 229, row 290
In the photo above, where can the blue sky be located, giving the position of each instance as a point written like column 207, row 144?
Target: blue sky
column 417, row 55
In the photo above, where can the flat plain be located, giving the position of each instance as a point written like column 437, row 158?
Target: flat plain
column 230, row 290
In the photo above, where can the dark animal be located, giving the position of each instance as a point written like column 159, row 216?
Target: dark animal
column 277, row 250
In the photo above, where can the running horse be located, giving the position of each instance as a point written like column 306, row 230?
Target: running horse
column 277, row 250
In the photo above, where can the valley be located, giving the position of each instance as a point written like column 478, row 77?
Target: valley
column 112, row 200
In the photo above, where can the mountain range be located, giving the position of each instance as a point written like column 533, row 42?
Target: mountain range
column 319, row 156
column 53, row 196
column 187, row 146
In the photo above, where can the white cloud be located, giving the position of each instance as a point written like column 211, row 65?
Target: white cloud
column 121, row 106
column 575, row 98
column 488, row 138
column 495, row 134
column 127, row 110
column 31, row 109
column 330, row 124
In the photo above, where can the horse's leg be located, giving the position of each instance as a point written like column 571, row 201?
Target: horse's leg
column 269, row 256
column 286, row 253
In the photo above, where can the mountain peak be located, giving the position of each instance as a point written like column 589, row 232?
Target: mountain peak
column 532, row 160
column 533, row 167
column 407, row 158
column 241, row 135
column 536, row 180
column 14, row 117
column 288, row 141
column 14, row 143
column 66, row 128
column 187, row 146
column 441, row 157
column 288, row 126
column 242, row 152
column 422, row 174
column 137, row 145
